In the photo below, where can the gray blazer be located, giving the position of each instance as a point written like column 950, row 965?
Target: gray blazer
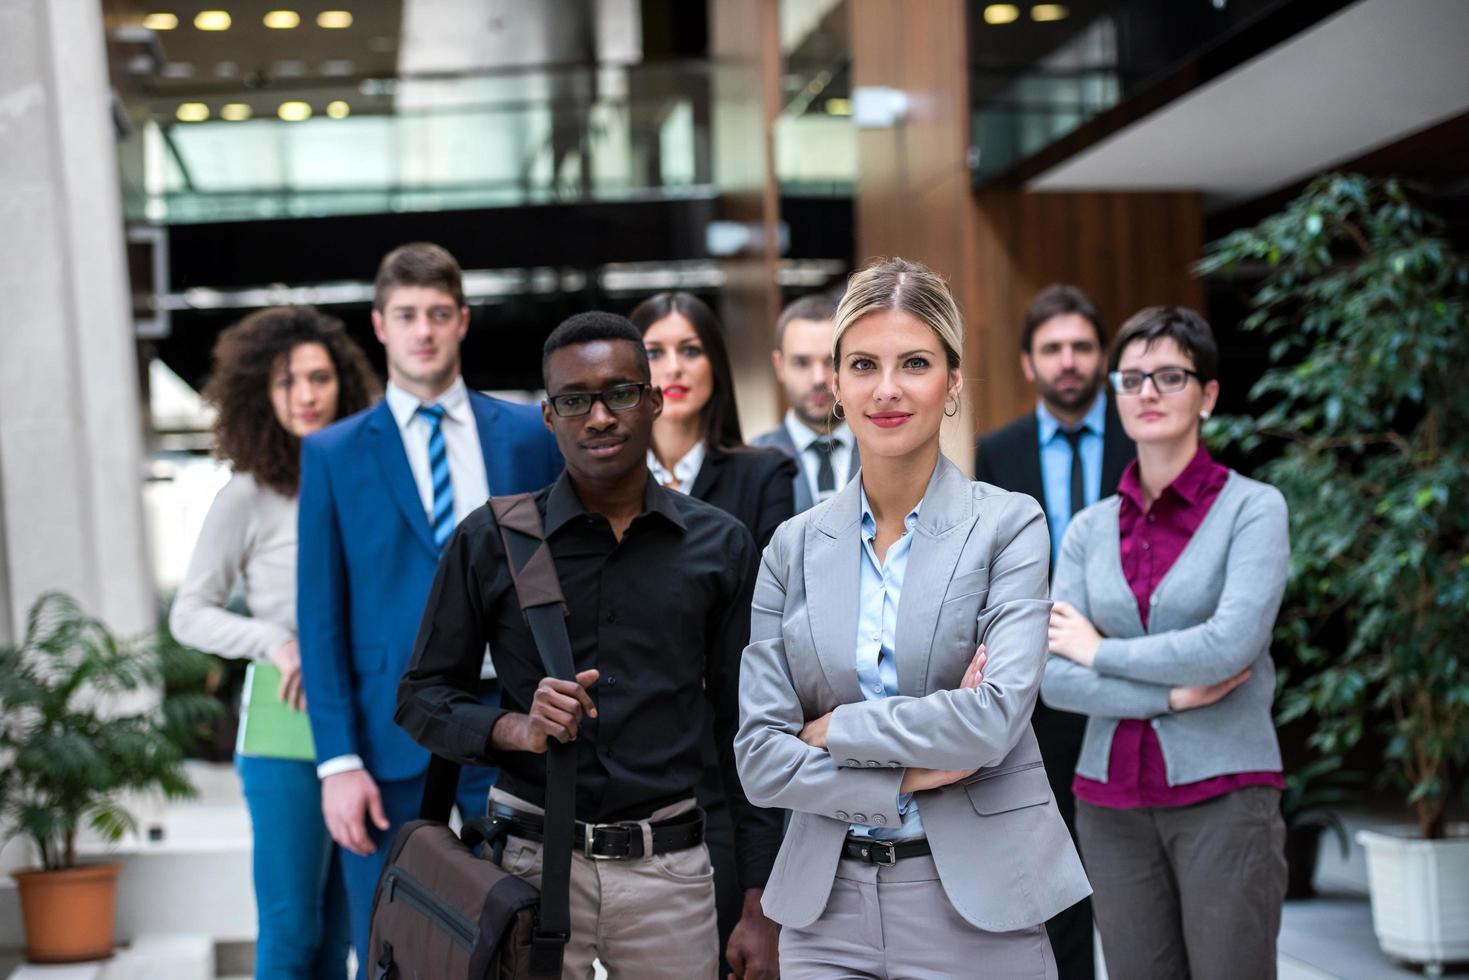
column 780, row 438
column 976, row 573
column 1211, row 617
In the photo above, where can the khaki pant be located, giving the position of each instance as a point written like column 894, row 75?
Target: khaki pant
column 645, row 919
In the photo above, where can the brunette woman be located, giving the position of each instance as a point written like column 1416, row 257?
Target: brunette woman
column 280, row 374
column 698, row 448
column 1166, row 596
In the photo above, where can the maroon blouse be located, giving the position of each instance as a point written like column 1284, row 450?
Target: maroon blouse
column 1151, row 541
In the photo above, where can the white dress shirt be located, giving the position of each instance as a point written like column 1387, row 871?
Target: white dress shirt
column 466, row 474
column 461, row 440
column 842, row 442
column 685, row 471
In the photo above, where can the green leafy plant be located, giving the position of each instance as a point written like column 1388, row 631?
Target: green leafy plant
column 69, row 747
column 1365, row 412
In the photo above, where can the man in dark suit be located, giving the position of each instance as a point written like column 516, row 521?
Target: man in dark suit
column 821, row 444
column 381, row 493
column 1067, row 454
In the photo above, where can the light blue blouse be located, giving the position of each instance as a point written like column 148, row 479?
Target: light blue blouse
column 1056, row 466
column 881, row 588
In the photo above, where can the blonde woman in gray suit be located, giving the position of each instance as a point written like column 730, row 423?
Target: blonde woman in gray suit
column 897, row 644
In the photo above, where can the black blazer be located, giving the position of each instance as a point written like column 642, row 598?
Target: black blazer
column 753, row 485
column 1010, row 456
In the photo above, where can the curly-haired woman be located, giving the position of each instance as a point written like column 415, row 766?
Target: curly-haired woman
column 279, row 374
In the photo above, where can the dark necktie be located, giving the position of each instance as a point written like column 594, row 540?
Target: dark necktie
column 1078, row 482
column 826, row 476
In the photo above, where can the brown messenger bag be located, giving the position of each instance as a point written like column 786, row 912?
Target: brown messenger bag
column 442, row 913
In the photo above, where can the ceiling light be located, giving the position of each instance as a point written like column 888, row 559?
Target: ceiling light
column 1001, row 13
column 838, row 107
column 234, row 112
column 226, row 69
column 212, row 20
column 338, row 109
column 293, row 111
column 178, row 69
column 337, row 66
column 334, row 20
column 161, row 22
column 192, row 112
column 1043, row 12
column 282, row 20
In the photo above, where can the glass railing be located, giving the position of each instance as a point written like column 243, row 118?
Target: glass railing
column 1038, row 72
column 422, row 144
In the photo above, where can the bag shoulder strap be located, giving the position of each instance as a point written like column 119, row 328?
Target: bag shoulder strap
column 538, row 590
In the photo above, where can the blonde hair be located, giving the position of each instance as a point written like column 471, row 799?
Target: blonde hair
column 909, row 287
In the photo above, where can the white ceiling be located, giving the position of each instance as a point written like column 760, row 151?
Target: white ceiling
column 1373, row 73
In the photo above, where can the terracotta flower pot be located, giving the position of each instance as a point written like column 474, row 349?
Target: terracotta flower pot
column 70, row 915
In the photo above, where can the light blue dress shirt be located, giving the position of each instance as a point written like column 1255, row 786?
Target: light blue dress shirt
column 880, row 589
column 1056, row 466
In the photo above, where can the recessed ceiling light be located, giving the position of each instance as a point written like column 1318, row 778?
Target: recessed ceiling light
column 293, row 111
column 226, row 69
column 234, row 112
column 161, row 22
column 212, row 20
column 178, row 69
column 838, row 107
column 289, row 68
column 282, row 20
column 1001, row 13
column 1044, row 12
column 192, row 112
column 334, row 20
column 338, row 109
column 337, row 67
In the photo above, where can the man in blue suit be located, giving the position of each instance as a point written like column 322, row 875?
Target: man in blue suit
column 381, row 492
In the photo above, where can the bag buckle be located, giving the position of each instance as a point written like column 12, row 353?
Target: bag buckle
column 589, row 839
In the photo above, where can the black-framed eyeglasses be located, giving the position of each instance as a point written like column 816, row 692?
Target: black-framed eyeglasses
column 1167, row 380
column 618, row 398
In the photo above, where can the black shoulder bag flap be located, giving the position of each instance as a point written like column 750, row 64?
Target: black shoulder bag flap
column 538, row 589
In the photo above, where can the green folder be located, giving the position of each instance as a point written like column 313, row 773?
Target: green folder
column 268, row 726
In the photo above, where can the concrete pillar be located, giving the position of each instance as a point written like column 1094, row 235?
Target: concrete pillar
column 71, row 447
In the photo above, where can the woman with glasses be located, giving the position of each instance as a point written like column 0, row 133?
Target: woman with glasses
column 698, row 449
column 1165, row 600
column 279, row 375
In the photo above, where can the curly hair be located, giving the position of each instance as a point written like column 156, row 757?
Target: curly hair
column 246, row 431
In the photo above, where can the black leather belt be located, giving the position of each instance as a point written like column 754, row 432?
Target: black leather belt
column 883, row 853
column 610, row 841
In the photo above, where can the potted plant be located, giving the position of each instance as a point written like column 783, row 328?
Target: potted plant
column 1366, row 407
column 1312, row 794
column 71, row 747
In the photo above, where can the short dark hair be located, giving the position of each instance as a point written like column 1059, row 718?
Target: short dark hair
column 1188, row 329
column 417, row 264
column 584, row 328
column 720, row 416
column 814, row 306
column 1059, row 299
column 246, row 432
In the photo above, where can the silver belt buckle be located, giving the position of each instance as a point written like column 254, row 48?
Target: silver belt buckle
column 882, row 852
column 590, row 835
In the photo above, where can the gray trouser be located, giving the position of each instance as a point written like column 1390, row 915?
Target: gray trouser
column 1190, row 891
column 897, row 924
column 650, row 918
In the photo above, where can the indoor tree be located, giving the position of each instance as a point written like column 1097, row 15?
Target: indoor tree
column 1364, row 414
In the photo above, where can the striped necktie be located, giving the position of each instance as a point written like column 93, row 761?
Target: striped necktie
column 441, row 519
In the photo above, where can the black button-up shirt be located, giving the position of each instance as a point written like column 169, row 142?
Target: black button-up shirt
column 663, row 615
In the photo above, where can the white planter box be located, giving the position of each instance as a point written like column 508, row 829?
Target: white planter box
column 1420, row 894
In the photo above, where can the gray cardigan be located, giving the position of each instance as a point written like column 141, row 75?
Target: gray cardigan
column 1212, row 616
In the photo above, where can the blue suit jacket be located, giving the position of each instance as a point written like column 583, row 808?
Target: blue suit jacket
column 366, row 560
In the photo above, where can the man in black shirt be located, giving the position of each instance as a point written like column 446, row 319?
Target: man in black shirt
column 659, row 586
